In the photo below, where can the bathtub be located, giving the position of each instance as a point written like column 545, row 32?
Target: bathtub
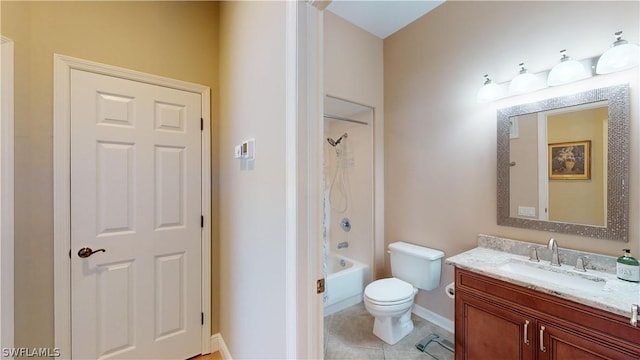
column 344, row 284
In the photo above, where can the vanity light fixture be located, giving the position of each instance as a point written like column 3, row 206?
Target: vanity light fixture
column 524, row 82
column 568, row 70
column 620, row 56
column 489, row 91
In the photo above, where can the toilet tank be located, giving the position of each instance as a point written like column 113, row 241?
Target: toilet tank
column 417, row 265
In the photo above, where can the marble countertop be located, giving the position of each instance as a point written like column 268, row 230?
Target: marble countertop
column 611, row 294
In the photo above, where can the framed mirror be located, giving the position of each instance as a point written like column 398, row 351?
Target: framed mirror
column 563, row 164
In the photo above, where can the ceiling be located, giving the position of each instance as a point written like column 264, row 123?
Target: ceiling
column 382, row 18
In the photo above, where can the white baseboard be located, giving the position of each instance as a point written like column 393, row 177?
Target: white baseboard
column 217, row 344
column 434, row 318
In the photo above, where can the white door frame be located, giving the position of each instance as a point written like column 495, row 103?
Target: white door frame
column 304, row 189
column 6, row 194
column 62, row 187
column 543, row 171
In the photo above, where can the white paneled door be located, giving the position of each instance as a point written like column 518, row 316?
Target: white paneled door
column 136, row 203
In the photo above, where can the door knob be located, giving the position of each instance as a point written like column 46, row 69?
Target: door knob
column 85, row 252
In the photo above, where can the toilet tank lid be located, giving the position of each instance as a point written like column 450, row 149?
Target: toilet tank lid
column 420, row 251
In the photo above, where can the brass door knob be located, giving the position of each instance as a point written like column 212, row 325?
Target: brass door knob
column 85, row 252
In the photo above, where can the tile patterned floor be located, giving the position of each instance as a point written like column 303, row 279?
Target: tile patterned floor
column 348, row 334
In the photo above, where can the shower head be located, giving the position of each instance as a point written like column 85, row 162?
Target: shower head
column 335, row 143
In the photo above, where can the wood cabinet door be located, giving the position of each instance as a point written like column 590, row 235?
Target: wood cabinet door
column 490, row 331
column 556, row 343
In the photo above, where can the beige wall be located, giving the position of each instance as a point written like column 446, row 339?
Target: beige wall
column 173, row 39
column 445, row 193
column 252, row 199
column 353, row 71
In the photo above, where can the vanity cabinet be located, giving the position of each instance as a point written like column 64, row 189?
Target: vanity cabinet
column 491, row 331
column 499, row 320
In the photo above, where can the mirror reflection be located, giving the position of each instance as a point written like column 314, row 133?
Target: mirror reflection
column 559, row 164
column 563, row 164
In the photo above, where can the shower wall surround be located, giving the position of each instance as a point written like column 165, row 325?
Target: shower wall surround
column 348, row 172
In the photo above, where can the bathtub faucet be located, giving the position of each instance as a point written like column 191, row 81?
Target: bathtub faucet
column 343, row 244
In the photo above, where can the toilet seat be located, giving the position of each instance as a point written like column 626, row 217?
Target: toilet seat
column 389, row 304
column 389, row 292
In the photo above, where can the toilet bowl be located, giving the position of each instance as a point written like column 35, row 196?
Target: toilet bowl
column 390, row 300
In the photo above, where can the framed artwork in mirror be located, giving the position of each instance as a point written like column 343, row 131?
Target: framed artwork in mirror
column 570, row 160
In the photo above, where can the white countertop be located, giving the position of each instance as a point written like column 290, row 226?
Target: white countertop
column 615, row 296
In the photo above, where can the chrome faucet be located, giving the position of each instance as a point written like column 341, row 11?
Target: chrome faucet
column 553, row 246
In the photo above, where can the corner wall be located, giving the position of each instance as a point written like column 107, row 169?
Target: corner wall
column 252, row 196
column 440, row 145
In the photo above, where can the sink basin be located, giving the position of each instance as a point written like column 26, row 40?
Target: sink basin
column 564, row 277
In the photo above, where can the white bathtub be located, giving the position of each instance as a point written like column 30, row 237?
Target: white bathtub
column 344, row 284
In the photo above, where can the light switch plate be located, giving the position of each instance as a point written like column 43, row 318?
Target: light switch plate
column 527, row 211
column 249, row 149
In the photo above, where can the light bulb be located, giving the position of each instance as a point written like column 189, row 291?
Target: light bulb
column 620, row 56
column 566, row 71
column 489, row 91
column 524, row 82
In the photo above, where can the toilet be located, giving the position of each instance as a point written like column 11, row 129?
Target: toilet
column 390, row 300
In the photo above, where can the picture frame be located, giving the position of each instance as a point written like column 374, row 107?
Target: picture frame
column 570, row 160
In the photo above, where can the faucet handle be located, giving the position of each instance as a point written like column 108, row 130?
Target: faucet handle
column 581, row 262
column 533, row 255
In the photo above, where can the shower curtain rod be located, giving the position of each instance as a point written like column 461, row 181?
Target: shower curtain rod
column 335, row 117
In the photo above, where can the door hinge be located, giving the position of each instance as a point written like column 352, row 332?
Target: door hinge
column 201, row 221
column 201, row 124
column 201, row 318
column 320, row 286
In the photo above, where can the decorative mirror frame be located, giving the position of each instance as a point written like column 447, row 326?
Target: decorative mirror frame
column 618, row 164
